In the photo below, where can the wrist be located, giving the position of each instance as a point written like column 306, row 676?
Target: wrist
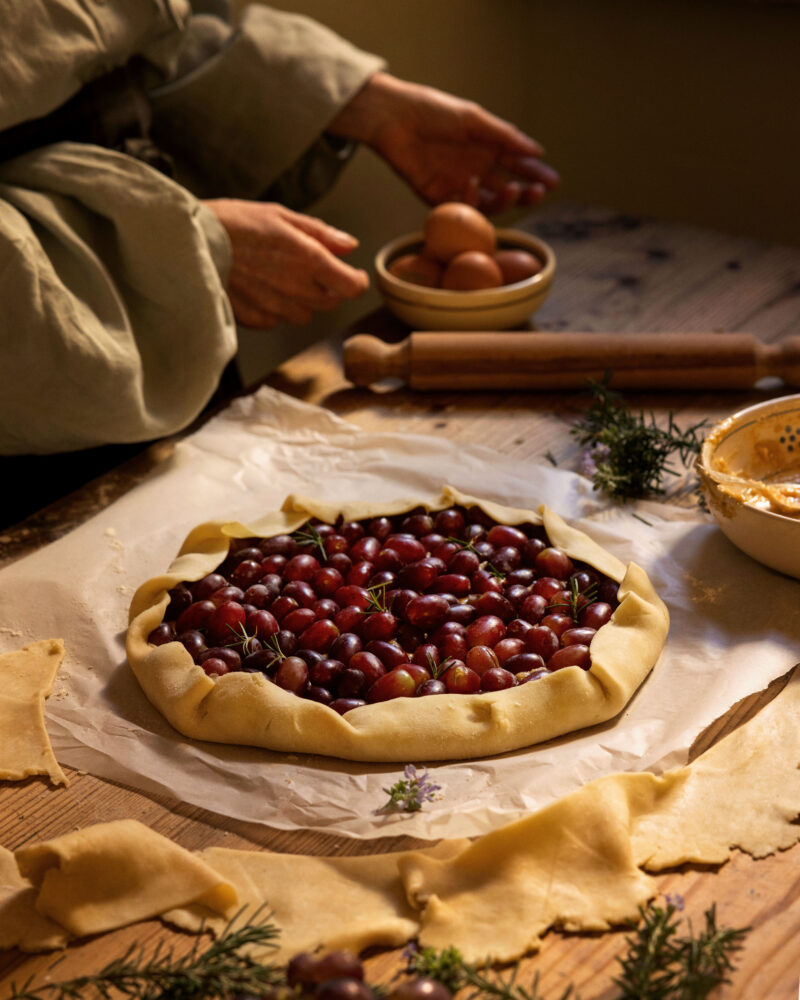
column 365, row 114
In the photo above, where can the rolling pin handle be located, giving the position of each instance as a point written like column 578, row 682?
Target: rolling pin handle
column 786, row 361
column 368, row 359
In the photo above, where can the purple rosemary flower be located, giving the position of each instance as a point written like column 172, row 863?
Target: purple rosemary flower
column 411, row 792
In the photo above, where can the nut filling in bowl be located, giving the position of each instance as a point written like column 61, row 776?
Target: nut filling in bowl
column 749, row 469
column 395, row 632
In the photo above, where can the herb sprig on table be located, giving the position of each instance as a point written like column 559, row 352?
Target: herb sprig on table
column 411, row 792
column 225, row 969
column 658, row 965
column 628, row 455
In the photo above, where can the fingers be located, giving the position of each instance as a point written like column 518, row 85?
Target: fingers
column 335, row 240
column 286, row 266
column 531, row 169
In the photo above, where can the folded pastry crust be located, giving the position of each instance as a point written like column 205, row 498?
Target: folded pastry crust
column 246, row 708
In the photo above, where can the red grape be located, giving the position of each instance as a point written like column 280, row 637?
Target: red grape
column 542, row 640
column 342, row 705
column 319, row 635
column 482, row 658
column 298, row 620
column 378, row 625
column 578, row 636
column 497, row 679
column 301, row 567
column 397, row 683
column 505, row 535
column 215, row 667
column 345, row 646
column 554, row 562
column 596, row 615
column 195, row 616
column 449, row 521
column 292, row 674
column 427, row 611
column 570, row 656
column 161, row 634
column 485, row 631
column 558, row 623
column 508, row 647
column 367, row 664
column 459, row 679
column 326, row 581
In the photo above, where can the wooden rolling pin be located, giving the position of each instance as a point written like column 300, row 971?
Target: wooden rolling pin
column 444, row 360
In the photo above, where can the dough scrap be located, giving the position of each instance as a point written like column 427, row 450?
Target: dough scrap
column 576, row 864
column 246, row 708
column 27, row 676
column 21, row 925
column 742, row 792
column 113, row 874
column 338, row 902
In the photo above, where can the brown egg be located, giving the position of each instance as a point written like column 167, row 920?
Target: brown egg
column 453, row 228
column 417, row 269
column 470, row 271
column 517, row 265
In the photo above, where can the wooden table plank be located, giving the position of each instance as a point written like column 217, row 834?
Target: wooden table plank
column 614, row 273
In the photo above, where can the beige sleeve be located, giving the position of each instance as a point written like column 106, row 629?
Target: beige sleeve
column 116, row 323
column 250, row 114
column 48, row 51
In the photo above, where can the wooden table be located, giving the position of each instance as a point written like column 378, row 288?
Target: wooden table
column 616, row 273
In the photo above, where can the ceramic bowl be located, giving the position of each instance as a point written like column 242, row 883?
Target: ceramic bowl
column 489, row 309
column 742, row 461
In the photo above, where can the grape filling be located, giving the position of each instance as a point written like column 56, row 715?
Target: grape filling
column 415, row 605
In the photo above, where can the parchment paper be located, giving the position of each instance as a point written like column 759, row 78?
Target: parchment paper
column 735, row 625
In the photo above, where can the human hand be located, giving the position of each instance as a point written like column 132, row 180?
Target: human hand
column 446, row 148
column 286, row 265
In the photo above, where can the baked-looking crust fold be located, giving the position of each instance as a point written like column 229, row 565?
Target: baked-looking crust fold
column 247, row 708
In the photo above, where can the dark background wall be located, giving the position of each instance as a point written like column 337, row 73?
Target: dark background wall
column 682, row 109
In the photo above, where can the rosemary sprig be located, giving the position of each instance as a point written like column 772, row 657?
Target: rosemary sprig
column 450, row 969
column 468, row 545
column 224, row 969
column 659, row 964
column 242, row 639
column 437, row 669
column 578, row 599
column 377, row 597
column 628, row 454
column 411, row 792
column 274, row 644
column 498, row 574
column 309, row 536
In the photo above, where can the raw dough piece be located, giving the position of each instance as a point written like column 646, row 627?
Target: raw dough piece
column 570, row 865
column 575, row 863
column 113, row 874
column 21, row 926
column 743, row 792
column 246, row 708
column 329, row 903
column 26, row 678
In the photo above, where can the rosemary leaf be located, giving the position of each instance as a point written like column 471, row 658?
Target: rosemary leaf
column 224, row 969
column 628, row 455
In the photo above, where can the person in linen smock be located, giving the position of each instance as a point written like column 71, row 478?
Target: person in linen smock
column 153, row 162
